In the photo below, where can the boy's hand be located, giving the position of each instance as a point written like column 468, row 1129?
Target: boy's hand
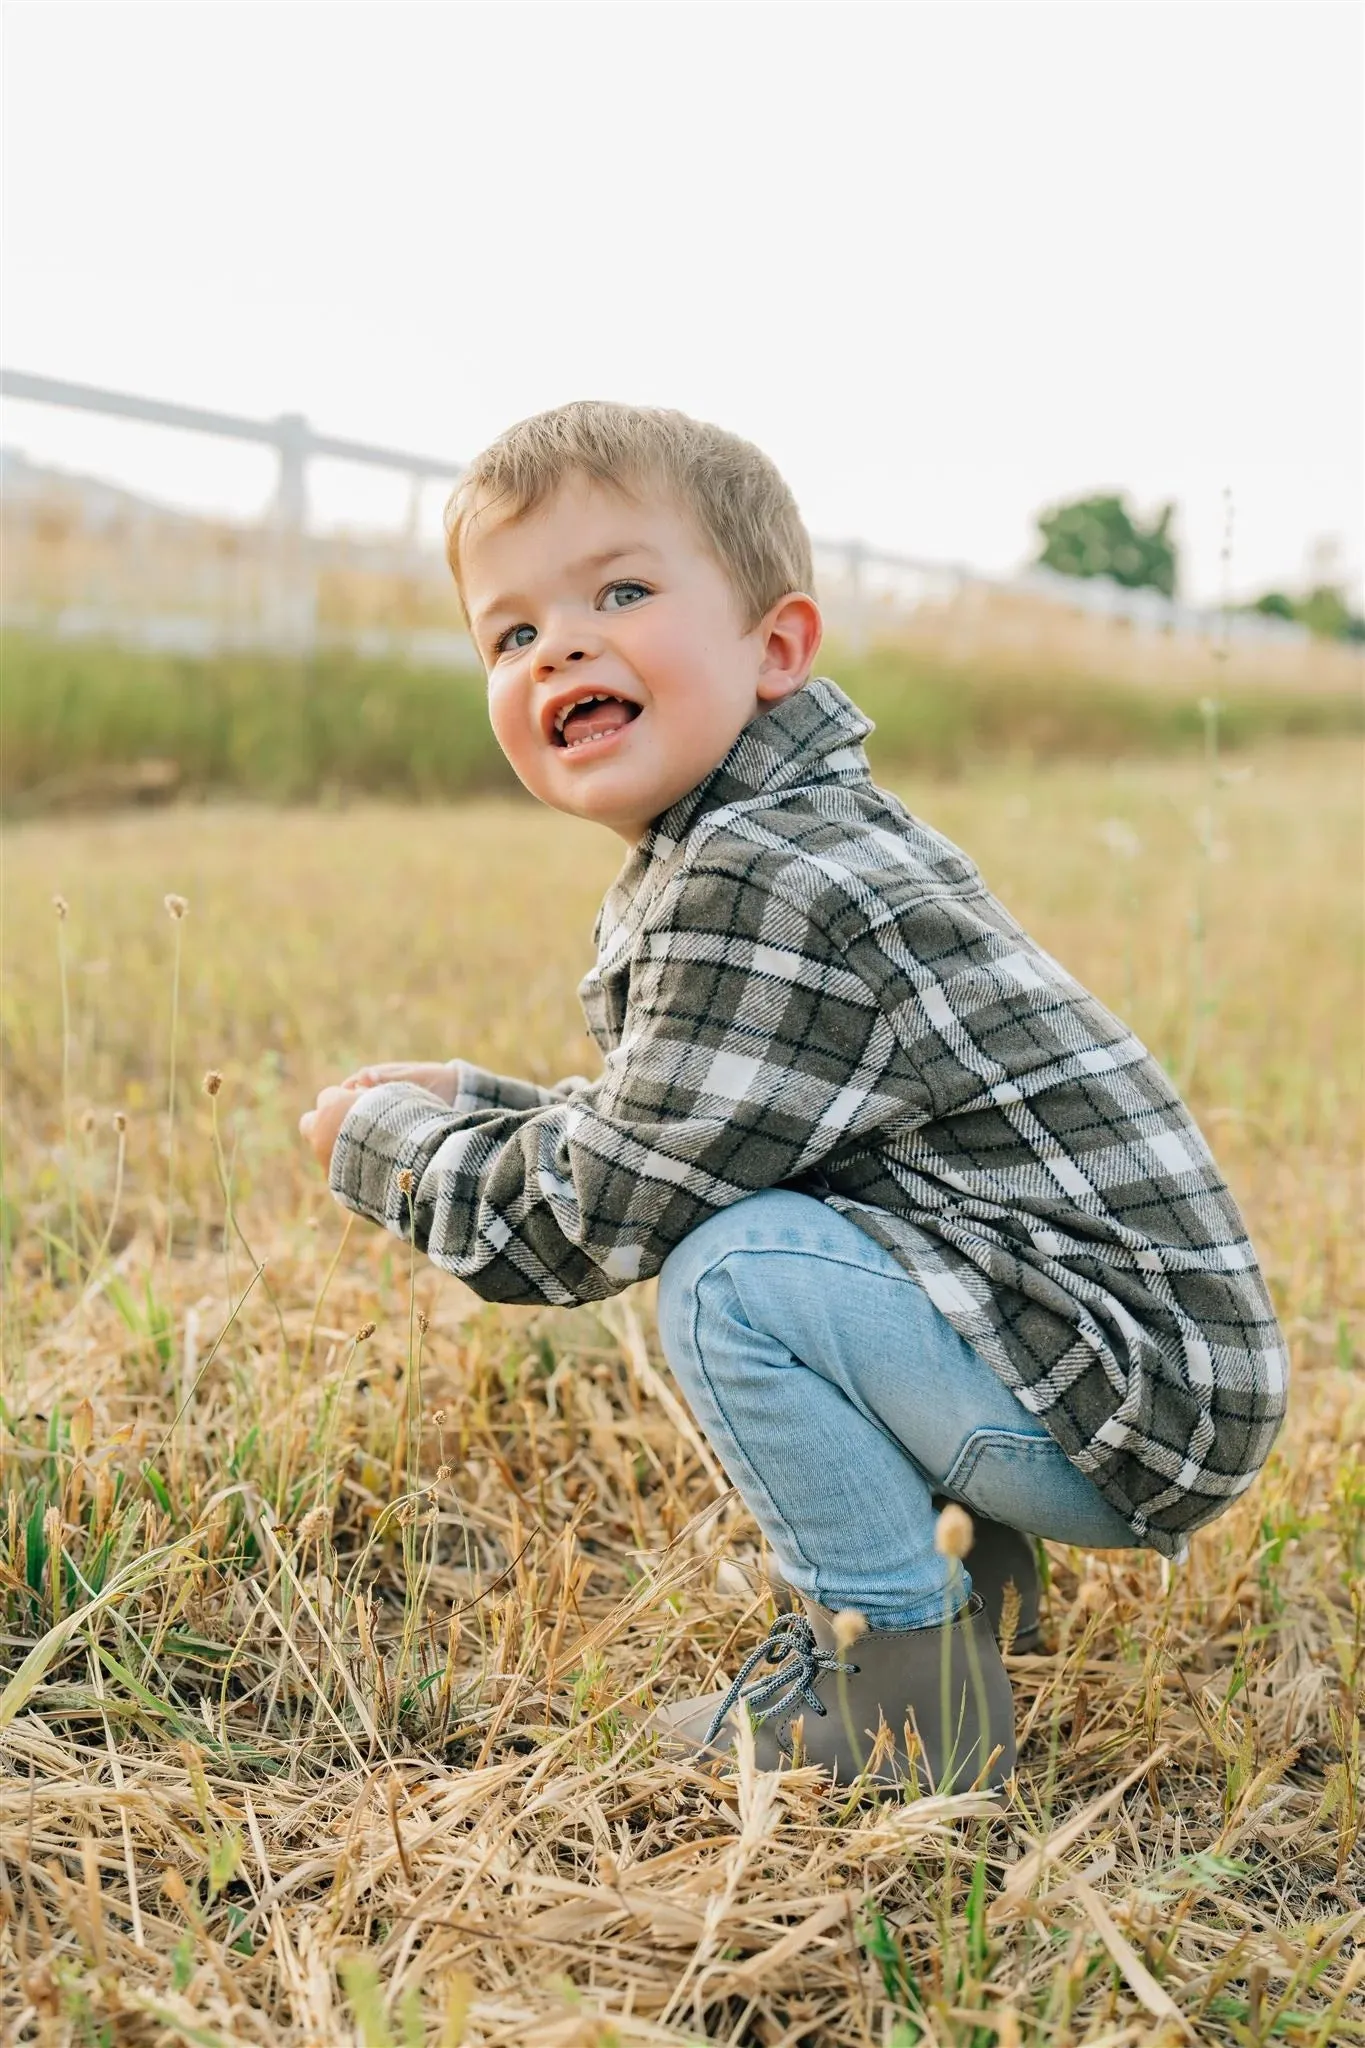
column 318, row 1127
column 441, row 1077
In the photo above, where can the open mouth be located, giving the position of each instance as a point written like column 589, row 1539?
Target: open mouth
column 592, row 721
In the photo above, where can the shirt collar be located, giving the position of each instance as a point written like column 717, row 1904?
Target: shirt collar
column 814, row 735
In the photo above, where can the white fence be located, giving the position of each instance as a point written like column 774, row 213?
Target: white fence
column 273, row 601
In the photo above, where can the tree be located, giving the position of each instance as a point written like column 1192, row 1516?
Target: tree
column 1100, row 537
column 1275, row 605
column 1324, row 610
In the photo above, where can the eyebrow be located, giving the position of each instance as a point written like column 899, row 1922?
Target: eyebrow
column 515, row 602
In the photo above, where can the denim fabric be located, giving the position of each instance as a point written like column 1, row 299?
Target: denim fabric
column 840, row 1400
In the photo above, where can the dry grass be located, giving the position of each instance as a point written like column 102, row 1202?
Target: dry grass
column 319, row 1644
column 143, row 563
column 1018, row 633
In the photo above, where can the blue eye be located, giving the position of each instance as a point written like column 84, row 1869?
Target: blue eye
column 625, row 585
column 500, row 645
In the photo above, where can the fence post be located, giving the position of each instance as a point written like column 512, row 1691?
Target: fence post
column 856, row 553
column 293, row 621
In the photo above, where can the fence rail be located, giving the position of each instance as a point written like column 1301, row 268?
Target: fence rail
column 273, row 600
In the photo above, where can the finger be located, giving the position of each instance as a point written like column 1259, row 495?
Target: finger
column 306, row 1122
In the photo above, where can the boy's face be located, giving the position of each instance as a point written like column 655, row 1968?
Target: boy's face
column 594, row 595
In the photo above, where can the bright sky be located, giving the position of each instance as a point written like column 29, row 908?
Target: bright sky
column 945, row 262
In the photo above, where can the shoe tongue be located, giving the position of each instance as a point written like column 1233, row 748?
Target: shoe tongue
column 607, row 717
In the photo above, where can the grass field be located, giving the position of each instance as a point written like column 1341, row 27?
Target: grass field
column 88, row 724
column 324, row 1586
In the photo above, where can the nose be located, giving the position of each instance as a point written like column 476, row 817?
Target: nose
column 555, row 650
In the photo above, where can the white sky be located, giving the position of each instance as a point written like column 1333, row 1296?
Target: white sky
column 945, row 263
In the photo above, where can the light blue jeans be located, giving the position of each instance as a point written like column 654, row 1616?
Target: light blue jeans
column 840, row 1401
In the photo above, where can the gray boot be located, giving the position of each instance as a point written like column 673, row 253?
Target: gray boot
column 999, row 1557
column 947, row 1681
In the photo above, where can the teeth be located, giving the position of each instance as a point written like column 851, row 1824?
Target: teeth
column 578, row 702
column 586, row 741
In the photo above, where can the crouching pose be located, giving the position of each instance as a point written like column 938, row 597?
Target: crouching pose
column 929, row 1223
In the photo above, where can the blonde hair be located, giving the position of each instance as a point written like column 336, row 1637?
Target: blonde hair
column 742, row 509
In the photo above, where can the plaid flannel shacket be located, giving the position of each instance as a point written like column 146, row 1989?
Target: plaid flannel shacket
column 799, row 984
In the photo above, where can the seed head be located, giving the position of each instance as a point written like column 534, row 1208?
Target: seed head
column 438, row 1416
column 213, row 1081
column 1009, row 1617
column 1119, row 836
column 442, row 1474
column 405, row 1180
column 848, row 1626
column 317, row 1522
column 954, row 1532
column 87, row 1121
column 423, row 1321
column 365, row 1330
column 120, row 1121
column 62, row 908
column 176, row 906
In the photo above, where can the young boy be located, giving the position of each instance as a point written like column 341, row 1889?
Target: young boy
column 928, row 1221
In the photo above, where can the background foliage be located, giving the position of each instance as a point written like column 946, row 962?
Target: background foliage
column 1101, row 536
column 84, row 724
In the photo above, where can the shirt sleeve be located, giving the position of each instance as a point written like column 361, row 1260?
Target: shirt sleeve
column 478, row 1088
column 749, row 1054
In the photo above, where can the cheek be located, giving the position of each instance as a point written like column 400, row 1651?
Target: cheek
column 672, row 653
column 507, row 714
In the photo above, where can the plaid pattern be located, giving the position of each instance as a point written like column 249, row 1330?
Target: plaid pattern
column 799, row 984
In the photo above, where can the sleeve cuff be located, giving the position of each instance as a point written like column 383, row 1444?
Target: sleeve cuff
column 478, row 1088
column 389, row 1128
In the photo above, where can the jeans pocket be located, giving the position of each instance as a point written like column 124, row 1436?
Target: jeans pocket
column 1027, row 1481
column 992, row 1459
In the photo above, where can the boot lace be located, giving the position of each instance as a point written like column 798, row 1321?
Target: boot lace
column 791, row 1647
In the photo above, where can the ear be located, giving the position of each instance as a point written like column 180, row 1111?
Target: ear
column 790, row 637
